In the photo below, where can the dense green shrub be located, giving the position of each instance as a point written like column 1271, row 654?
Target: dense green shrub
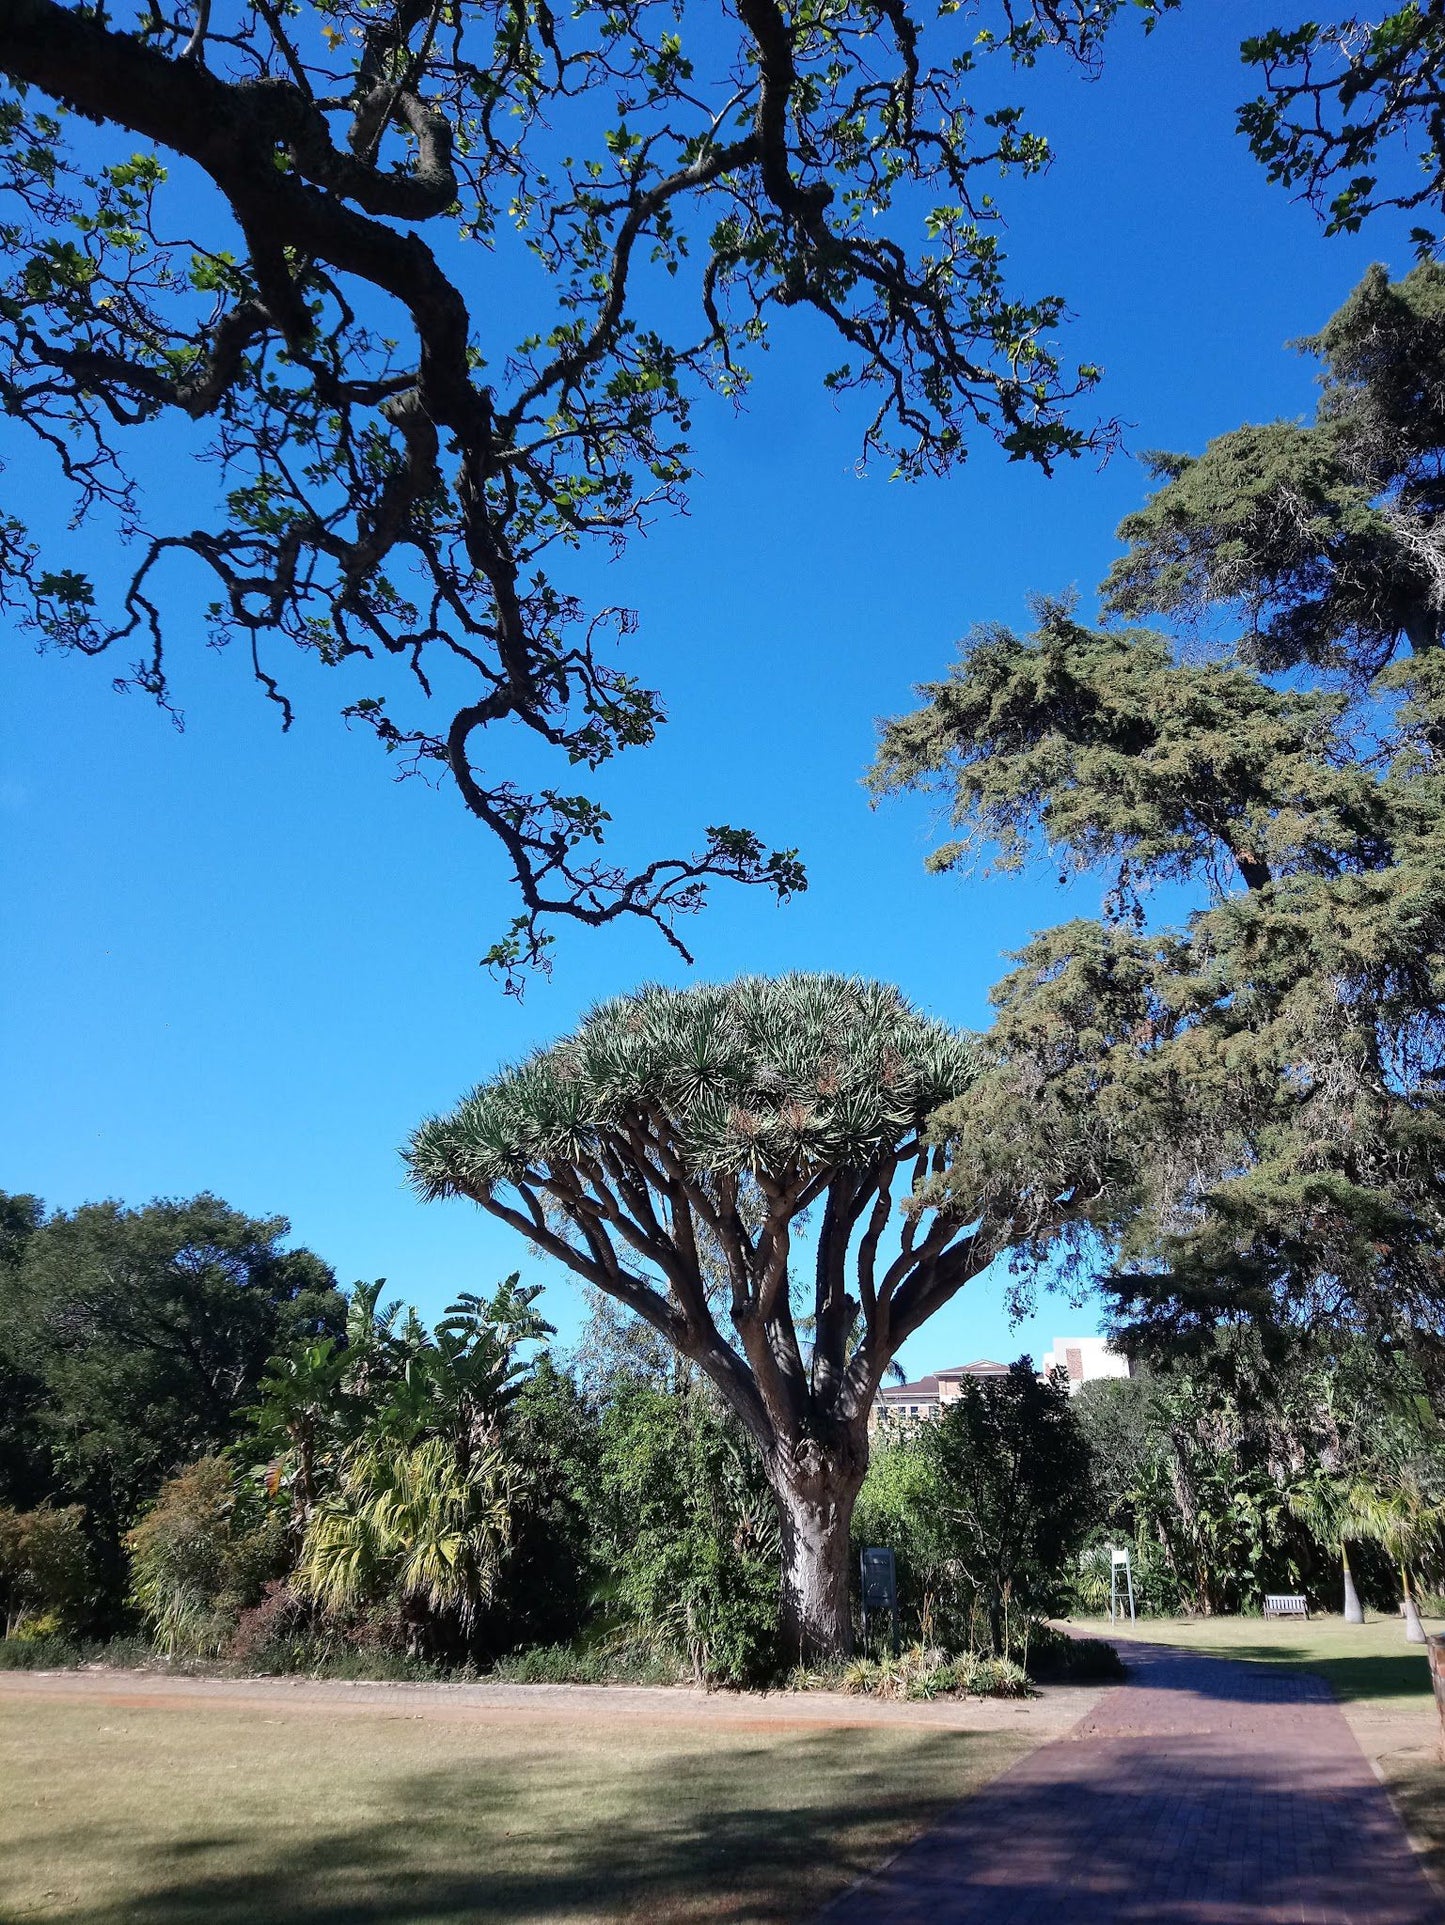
column 1056, row 1658
column 131, row 1342
column 896, row 1508
column 984, row 1509
column 553, row 1569
column 690, row 1533
column 411, row 1531
column 452, row 1501
column 45, row 1570
column 580, row 1664
column 200, row 1555
column 395, row 1454
column 54, row 1651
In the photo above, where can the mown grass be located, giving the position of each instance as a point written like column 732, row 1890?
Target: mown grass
column 217, row 1815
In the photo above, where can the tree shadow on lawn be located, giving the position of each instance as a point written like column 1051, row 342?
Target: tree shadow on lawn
column 1403, row 1674
column 1418, row 1790
column 445, row 1851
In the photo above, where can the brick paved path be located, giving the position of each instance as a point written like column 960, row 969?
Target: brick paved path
column 1204, row 1792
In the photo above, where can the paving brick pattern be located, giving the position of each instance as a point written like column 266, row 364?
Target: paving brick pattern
column 1204, row 1792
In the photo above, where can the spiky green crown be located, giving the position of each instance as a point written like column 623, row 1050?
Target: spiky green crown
column 761, row 1075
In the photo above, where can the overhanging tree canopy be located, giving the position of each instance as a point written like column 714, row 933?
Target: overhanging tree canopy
column 410, row 432
column 1350, row 113
column 668, row 1153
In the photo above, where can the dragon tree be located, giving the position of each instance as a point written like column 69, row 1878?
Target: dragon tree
column 670, row 1152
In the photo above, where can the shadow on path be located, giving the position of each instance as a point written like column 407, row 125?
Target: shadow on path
column 1204, row 1792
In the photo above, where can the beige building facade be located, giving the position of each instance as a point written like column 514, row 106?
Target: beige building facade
column 921, row 1401
column 1082, row 1359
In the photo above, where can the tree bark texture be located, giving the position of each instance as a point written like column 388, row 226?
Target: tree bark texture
column 1414, row 1629
column 817, row 1609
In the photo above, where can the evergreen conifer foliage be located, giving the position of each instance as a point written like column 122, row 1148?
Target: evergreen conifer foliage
column 1325, row 538
column 1256, row 1092
column 679, row 1127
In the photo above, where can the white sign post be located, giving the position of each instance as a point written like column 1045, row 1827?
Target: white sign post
column 1119, row 1561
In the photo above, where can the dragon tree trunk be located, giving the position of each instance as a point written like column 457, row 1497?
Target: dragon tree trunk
column 815, row 1512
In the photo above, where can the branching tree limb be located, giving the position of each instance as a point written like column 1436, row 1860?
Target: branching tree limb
column 669, row 1154
column 304, row 227
column 1352, row 116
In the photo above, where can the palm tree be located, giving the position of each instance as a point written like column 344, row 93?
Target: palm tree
column 297, row 1416
column 1321, row 1502
column 409, row 1523
column 666, row 1153
column 417, row 1510
column 1396, row 1509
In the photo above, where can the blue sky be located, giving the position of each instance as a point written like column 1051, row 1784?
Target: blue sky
column 247, row 962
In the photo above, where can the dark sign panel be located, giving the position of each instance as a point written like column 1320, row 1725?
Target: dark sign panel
column 880, row 1581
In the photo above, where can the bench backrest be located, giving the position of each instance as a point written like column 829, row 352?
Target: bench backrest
column 1285, row 1607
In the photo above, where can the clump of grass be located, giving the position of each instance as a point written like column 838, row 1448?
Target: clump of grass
column 571, row 1664
column 922, row 1672
column 363, row 1665
column 303, row 1655
column 58, row 1652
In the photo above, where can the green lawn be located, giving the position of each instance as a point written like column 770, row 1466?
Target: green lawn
column 222, row 1814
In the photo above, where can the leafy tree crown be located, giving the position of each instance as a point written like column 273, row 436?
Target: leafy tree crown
column 758, row 1077
column 1253, row 1096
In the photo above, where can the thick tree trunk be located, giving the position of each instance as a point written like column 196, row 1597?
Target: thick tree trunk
column 816, row 1521
column 1353, row 1612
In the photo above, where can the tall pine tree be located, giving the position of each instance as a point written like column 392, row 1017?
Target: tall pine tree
column 1254, row 1094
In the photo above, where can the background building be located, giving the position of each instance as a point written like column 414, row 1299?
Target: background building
column 1082, row 1359
column 924, row 1399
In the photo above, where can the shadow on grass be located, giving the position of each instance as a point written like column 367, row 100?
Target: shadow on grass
column 1395, row 1674
column 1419, row 1794
column 692, row 1842
column 1405, row 1674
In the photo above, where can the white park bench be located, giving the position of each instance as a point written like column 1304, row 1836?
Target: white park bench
column 1285, row 1607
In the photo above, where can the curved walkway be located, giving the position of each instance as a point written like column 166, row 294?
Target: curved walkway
column 1204, row 1792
